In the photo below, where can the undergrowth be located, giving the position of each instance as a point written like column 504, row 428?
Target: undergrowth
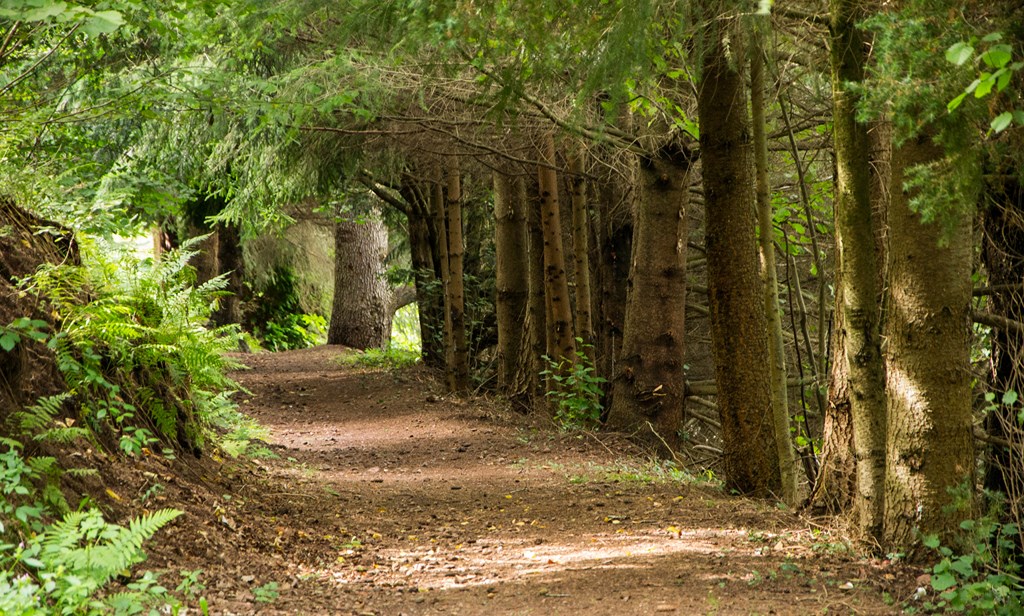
column 577, row 390
column 142, row 371
column 132, row 344
column 391, row 357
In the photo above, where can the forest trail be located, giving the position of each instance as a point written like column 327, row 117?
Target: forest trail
column 388, row 499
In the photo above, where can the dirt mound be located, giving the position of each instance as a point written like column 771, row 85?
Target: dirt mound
column 29, row 370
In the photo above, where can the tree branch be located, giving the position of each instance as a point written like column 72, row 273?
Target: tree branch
column 998, row 322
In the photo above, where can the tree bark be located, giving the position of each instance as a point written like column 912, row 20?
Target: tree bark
column 614, row 234
column 456, row 287
column 858, row 269
column 581, row 250
column 361, row 311
column 536, row 323
column 836, row 481
column 231, row 265
column 562, row 342
column 437, row 202
column 930, row 446
column 766, row 249
column 648, row 388
column 738, row 325
column 512, row 273
column 428, row 298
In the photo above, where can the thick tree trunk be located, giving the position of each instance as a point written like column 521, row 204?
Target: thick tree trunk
column 581, row 250
column 648, row 388
column 513, row 283
column 738, row 326
column 930, row 447
column 459, row 380
column 361, row 312
column 562, row 342
column 858, row 271
column 766, row 248
column 836, row 482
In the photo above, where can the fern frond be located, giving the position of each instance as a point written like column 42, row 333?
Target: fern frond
column 63, row 435
column 41, row 414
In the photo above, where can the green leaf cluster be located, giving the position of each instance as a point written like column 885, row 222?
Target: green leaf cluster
column 577, row 390
column 984, row 578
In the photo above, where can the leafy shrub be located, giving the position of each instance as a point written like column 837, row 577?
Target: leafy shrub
column 65, row 567
column 578, row 390
column 275, row 315
column 134, row 349
column 983, row 579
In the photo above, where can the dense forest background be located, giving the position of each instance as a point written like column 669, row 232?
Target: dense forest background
column 780, row 242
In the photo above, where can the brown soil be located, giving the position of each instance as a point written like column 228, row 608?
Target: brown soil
column 388, row 499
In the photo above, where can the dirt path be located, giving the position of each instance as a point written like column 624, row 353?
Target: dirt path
column 388, row 500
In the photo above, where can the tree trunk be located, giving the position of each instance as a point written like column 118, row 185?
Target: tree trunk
column 649, row 384
column 562, row 342
column 581, row 251
column 437, row 203
column 229, row 263
column 614, row 227
column 930, row 447
column 858, row 271
column 361, row 311
column 513, row 283
column 836, row 481
column 738, row 325
column 456, row 287
column 766, row 248
column 428, row 298
column 537, row 311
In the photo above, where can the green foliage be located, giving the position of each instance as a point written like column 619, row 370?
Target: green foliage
column 28, row 490
column 276, row 319
column 134, row 350
column 995, row 72
column 267, row 593
column 405, row 329
column 389, row 358
column 11, row 335
column 912, row 84
column 69, row 567
column 984, row 578
column 578, row 390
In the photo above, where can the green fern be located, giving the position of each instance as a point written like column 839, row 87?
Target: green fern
column 41, row 414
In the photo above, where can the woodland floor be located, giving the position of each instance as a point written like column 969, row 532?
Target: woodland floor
column 388, row 499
